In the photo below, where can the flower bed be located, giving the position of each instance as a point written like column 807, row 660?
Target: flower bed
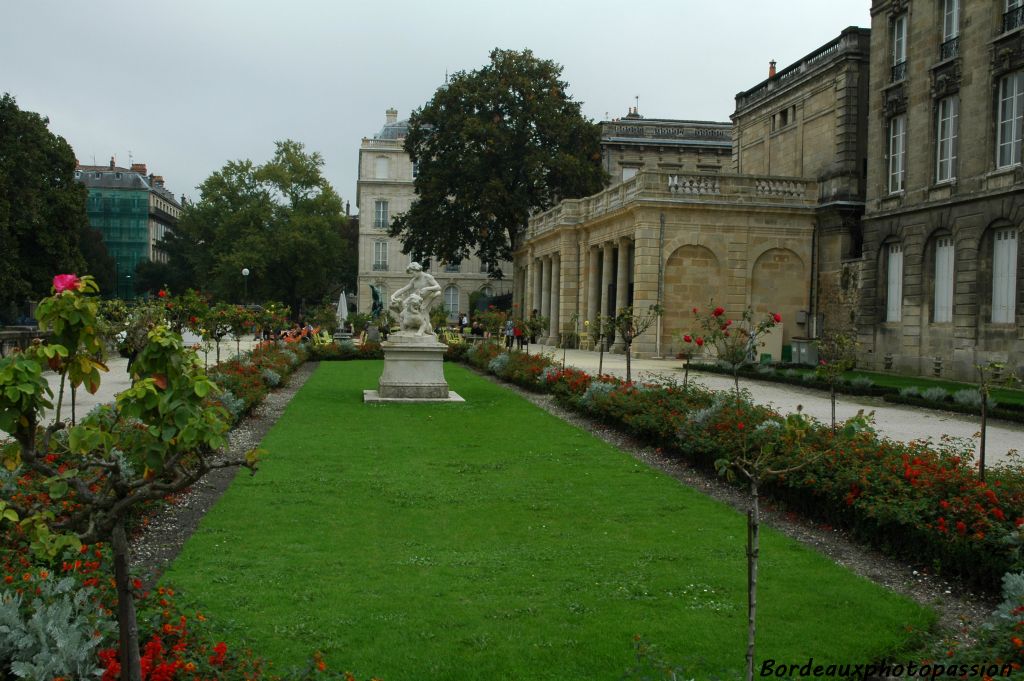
column 59, row 613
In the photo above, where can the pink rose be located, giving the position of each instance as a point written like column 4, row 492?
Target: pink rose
column 65, row 282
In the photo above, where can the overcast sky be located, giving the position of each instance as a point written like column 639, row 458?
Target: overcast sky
column 185, row 86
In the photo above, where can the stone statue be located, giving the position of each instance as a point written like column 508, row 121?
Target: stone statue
column 412, row 302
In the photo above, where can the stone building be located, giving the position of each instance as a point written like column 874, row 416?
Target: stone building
column 133, row 211
column 635, row 143
column 755, row 231
column 942, row 279
column 385, row 188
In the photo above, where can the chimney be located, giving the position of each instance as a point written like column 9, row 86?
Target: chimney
column 771, row 69
column 139, row 168
column 158, row 180
column 392, row 115
column 111, row 162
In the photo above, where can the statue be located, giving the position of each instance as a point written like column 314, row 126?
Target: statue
column 412, row 302
column 378, row 305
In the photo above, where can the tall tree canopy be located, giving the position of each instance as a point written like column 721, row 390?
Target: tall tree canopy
column 493, row 146
column 42, row 207
column 282, row 221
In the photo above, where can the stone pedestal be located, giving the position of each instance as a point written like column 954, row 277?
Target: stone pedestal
column 413, row 371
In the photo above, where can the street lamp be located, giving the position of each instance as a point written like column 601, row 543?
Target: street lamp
column 245, row 278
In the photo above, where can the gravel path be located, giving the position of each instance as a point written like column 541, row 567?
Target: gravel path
column 898, row 422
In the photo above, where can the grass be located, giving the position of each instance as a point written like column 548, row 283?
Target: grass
column 490, row 540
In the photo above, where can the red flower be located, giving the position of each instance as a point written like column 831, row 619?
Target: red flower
column 777, row 318
column 944, row 504
column 694, row 310
column 739, row 426
column 688, row 338
column 161, row 293
column 65, row 282
column 699, row 342
column 961, row 528
column 193, row 320
column 719, row 311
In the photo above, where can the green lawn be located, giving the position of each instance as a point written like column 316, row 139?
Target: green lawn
column 1001, row 395
column 490, row 540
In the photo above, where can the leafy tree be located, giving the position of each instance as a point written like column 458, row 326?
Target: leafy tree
column 42, row 207
column 493, row 146
column 157, row 439
column 736, row 345
column 281, row 220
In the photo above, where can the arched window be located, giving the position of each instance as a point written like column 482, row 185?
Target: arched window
column 380, row 167
column 451, row 300
column 487, row 291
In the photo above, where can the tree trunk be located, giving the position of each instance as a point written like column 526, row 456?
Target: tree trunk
column 832, row 397
column 74, row 392
column 131, row 669
column 238, row 347
column 753, row 548
column 600, row 359
column 736, row 380
column 984, row 425
column 218, row 351
column 629, row 375
column 686, row 372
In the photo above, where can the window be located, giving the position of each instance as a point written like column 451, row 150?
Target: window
column 899, row 48
column 453, row 267
column 943, row 306
column 451, row 300
column 946, row 139
column 1004, row 276
column 628, row 173
column 894, row 284
column 897, row 152
column 1014, row 15
column 380, row 214
column 415, row 168
column 950, row 20
column 380, row 167
column 380, row 256
column 487, row 292
column 1008, row 127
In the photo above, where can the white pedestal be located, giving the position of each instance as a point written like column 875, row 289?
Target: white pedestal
column 413, row 370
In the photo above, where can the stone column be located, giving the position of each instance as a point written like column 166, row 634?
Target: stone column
column 593, row 284
column 538, row 284
column 645, row 286
column 545, row 286
column 556, row 289
column 622, row 285
column 606, row 276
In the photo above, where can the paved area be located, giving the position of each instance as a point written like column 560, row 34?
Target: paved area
column 896, row 421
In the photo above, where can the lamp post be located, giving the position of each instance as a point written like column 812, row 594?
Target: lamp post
column 245, row 278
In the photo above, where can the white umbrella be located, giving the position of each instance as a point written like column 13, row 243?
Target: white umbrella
column 342, row 312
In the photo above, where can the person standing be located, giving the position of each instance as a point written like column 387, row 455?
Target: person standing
column 510, row 327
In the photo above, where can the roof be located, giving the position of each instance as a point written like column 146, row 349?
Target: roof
column 393, row 131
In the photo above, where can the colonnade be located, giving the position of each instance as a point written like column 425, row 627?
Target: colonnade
column 545, row 279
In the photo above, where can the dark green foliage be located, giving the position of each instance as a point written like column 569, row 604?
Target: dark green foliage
column 42, row 207
column 281, row 220
column 494, row 145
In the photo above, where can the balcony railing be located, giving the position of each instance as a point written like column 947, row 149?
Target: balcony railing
column 1013, row 19
column 380, row 267
column 899, row 72
column 949, row 49
column 661, row 187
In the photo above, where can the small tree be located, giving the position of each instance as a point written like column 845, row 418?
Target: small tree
column 630, row 325
column 990, row 375
column 110, row 464
column 759, row 459
column 735, row 345
column 536, row 325
column 688, row 352
column 837, row 343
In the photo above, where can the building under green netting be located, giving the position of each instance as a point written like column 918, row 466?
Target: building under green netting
column 132, row 210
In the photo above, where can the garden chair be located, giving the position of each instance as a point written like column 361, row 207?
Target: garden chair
column 586, row 343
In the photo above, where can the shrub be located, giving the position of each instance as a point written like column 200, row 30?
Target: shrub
column 53, row 635
column 809, row 377
column 935, row 394
column 910, row 391
column 766, row 370
column 497, row 365
column 271, row 378
column 971, row 397
column 861, row 382
column 791, row 373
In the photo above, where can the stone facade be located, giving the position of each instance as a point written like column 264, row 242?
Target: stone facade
column 635, row 143
column 943, row 271
column 759, row 231
column 385, row 188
